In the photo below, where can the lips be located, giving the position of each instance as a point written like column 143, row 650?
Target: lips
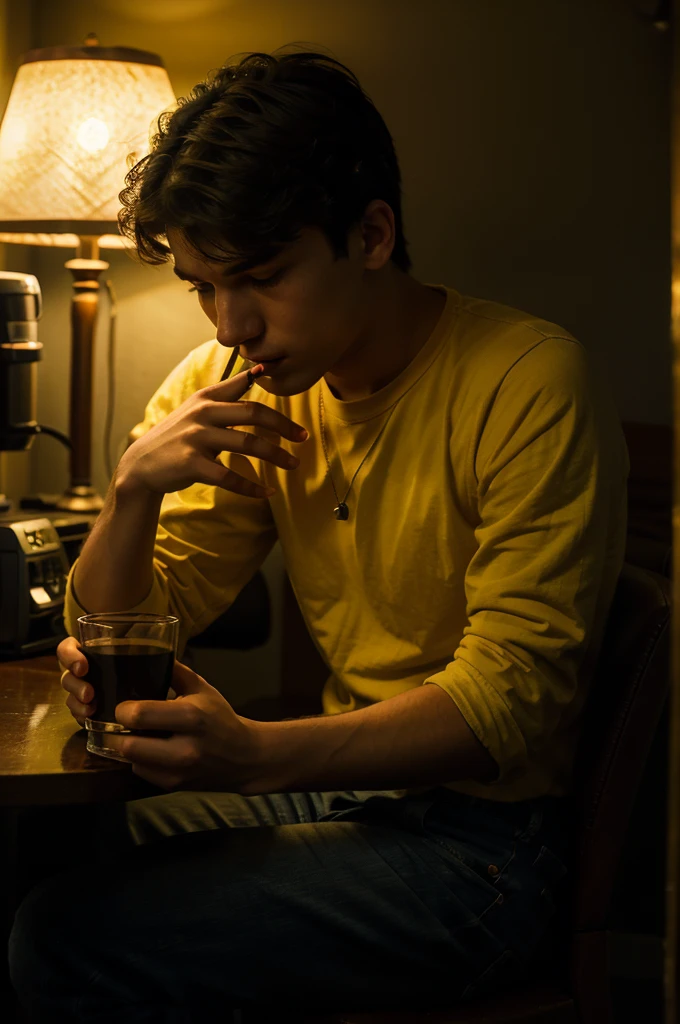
column 264, row 359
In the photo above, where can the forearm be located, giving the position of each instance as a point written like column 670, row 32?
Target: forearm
column 417, row 738
column 115, row 568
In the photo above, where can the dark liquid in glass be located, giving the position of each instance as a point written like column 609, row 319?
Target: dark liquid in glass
column 129, row 668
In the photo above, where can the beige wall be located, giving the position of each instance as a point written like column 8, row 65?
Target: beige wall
column 16, row 36
column 533, row 142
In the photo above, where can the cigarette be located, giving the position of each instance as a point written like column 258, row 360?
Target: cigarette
column 230, row 365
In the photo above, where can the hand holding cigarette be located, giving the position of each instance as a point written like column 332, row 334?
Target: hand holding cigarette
column 183, row 448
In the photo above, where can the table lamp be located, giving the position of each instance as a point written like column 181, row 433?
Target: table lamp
column 76, row 119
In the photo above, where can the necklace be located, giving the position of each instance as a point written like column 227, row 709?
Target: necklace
column 341, row 510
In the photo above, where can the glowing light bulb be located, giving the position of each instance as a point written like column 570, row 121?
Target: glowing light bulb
column 93, row 135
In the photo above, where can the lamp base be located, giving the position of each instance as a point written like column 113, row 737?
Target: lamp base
column 81, row 499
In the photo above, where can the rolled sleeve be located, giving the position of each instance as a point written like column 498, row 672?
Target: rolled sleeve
column 156, row 601
column 551, row 466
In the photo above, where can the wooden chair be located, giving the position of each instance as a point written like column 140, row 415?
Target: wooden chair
column 621, row 716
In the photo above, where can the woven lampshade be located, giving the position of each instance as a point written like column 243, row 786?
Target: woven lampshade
column 76, row 119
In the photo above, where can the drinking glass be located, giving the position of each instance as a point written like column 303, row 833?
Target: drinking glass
column 130, row 657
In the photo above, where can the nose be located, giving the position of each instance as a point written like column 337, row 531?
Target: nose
column 236, row 320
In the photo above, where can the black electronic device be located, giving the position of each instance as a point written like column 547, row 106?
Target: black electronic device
column 36, row 553
column 20, row 351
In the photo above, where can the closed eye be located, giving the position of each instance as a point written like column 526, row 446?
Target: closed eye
column 259, row 282
column 268, row 282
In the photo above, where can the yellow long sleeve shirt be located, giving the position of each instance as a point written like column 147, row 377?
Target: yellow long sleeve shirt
column 485, row 537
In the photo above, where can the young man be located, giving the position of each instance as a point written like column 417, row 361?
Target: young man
column 453, row 525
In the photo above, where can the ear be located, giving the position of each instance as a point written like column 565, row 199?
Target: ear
column 377, row 234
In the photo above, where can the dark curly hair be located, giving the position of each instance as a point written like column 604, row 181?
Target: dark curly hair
column 266, row 146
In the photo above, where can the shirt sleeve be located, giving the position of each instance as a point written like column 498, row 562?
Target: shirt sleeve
column 202, row 366
column 551, row 467
column 209, row 541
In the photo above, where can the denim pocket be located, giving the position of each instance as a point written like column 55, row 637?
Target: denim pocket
column 480, row 834
column 504, row 847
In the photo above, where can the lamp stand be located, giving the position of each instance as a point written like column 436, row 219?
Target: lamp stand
column 81, row 496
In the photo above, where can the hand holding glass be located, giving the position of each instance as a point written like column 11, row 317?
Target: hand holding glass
column 130, row 657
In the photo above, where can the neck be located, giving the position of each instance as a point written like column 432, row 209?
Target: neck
column 401, row 315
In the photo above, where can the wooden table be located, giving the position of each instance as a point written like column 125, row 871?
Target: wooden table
column 44, row 764
column 43, row 755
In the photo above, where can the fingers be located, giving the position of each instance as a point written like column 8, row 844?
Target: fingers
column 80, row 711
column 252, row 374
column 71, row 657
column 215, row 474
column 223, row 412
column 244, row 443
column 80, row 700
column 173, row 756
column 231, row 389
column 174, row 716
column 73, row 663
column 256, row 414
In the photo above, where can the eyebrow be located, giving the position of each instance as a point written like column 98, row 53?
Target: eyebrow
column 231, row 269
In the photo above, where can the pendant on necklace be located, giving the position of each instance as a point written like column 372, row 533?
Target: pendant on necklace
column 341, row 512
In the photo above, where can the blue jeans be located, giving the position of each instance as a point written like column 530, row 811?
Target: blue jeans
column 202, row 903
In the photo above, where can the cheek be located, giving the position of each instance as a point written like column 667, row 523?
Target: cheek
column 342, row 305
column 325, row 309
column 207, row 304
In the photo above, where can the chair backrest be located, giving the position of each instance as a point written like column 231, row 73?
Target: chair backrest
column 627, row 697
column 246, row 622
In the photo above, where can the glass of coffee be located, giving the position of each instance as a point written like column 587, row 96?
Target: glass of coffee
column 130, row 657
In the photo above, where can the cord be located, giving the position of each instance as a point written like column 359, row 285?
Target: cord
column 111, row 379
column 41, row 429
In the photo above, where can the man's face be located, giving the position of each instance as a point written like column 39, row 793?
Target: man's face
column 304, row 306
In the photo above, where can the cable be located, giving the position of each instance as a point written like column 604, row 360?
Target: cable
column 111, row 379
column 41, row 429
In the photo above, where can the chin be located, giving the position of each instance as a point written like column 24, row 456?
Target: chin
column 286, row 386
